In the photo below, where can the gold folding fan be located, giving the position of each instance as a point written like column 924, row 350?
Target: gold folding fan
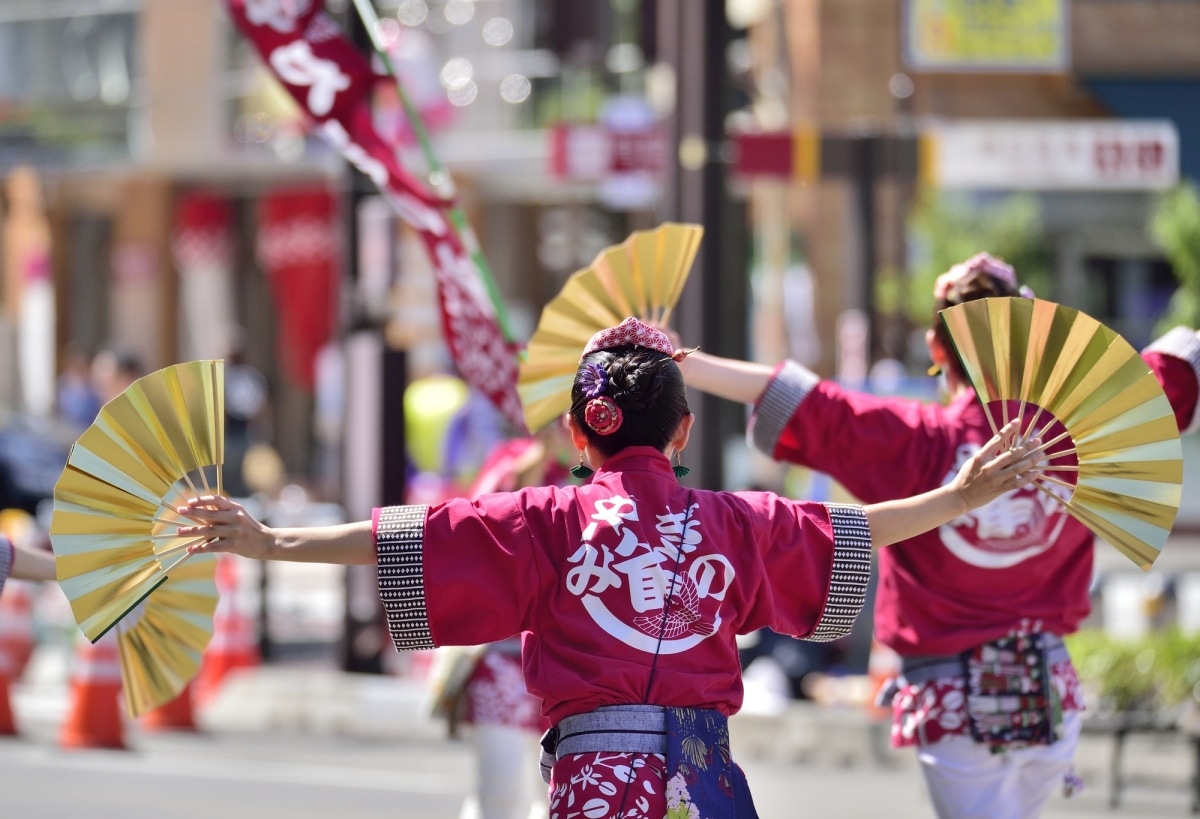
column 114, row 526
column 1110, row 434
column 643, row 277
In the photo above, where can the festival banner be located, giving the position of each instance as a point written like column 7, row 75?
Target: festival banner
column 332, row 81
column 202, row 250
column 298, row 249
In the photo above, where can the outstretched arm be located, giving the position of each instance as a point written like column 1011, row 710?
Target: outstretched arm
column 727, row 378
column 31, row 563
column 1001, row 465
column 225, row 526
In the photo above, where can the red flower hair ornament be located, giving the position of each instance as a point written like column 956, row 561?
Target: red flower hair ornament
column 603, row 415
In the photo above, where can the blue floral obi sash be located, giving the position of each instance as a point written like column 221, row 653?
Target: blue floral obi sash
column 694, row 742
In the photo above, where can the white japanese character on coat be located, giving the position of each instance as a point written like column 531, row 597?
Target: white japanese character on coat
column 664, row 597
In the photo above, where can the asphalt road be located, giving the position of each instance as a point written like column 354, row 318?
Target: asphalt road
column 230, row 774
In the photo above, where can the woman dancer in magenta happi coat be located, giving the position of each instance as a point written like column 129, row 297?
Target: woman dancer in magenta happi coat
column 1017, row 571
column 629, row 591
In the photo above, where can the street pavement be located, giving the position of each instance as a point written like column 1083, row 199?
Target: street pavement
column 305, row 740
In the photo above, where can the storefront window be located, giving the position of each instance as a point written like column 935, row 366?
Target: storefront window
column 67, row 81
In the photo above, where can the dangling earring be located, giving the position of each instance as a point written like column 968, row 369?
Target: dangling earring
column 679, row 469
column 581, row 470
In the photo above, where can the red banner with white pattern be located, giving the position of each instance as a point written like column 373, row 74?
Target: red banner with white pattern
column 333, row 82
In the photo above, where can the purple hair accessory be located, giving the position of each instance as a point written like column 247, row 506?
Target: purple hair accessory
column 593, row 380
column 603, row 415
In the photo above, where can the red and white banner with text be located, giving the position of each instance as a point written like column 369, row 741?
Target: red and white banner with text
column 332, row 81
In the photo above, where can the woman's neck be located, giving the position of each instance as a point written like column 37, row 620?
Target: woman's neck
column 956, row 387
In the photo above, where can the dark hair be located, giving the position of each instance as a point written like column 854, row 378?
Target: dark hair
column 648, row 388
column 975, row 283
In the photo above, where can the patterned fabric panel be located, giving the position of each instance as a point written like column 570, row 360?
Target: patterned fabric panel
column 399, row 541
column 851, row 572
column 791, row 385
column 496, row 695
column 927, row 712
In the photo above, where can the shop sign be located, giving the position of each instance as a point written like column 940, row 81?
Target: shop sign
column 591, row 153
column 624, row 153
column 986, row 35
column 1052, row 155
column 794, row 154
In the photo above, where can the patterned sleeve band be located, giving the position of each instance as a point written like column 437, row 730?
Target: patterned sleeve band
column 399, row 543
column 1182, row 342
column 851, row 572
column 789, row 386
column 6, row 560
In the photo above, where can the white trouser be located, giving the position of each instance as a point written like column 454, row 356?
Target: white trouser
column 967, row 781
column 508, row 784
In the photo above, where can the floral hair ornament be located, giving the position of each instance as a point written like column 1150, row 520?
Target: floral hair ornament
column 944, row 288
column 593, row 380
column 603, row 415
column 630, row 332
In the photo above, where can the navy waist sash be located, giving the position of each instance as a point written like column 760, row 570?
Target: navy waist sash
column 694, row 742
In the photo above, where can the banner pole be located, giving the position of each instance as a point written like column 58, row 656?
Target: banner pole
column 439, row 178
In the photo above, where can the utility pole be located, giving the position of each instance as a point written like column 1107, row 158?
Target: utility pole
column 693, row 38
column 364, row 634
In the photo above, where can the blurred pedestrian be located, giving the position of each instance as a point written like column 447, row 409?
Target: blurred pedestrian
column 1011, row 579
column 246, row 401
column 113, row 371
column 629, row 590
column 76, row 400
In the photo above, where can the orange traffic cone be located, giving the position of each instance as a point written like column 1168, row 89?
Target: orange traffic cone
column 234, row 643
column 16, row 626
column 8, row 722
column 95, row 718
column 176, row 715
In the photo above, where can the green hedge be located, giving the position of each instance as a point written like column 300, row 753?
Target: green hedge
column 1155, row 673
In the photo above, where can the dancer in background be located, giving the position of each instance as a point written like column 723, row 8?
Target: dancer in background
column 504, row 720
column 1016, row 571
column 628, row 591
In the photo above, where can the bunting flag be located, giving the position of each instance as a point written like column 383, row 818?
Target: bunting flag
column 332, row 81
column 298, row 249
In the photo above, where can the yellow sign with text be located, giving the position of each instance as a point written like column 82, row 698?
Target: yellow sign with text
column 986, row 35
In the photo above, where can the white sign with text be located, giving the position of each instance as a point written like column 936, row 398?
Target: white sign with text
column 1052, row 155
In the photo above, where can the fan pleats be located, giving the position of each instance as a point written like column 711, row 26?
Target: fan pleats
column 1061, row 365
column 118, row 558
column 643, row 277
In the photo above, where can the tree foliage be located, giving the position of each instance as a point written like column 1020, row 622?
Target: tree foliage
column 1159, row 672
column 1175, row 227
column 949, row 228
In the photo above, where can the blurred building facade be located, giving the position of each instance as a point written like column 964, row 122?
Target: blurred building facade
column 173, row 169
column 983, row 100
